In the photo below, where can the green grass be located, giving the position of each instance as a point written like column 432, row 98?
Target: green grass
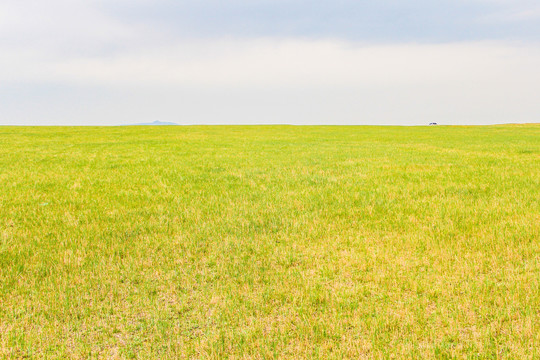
column 270, row 242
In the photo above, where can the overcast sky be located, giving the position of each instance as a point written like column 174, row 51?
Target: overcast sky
column 100, row 62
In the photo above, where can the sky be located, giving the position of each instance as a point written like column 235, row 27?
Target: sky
column 350, row 62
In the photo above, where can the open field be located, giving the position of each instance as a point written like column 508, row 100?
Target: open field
column 270, row 242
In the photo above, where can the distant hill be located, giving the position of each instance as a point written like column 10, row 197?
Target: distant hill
column 154, row 123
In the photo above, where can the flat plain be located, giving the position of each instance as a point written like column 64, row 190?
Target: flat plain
column 270, row 242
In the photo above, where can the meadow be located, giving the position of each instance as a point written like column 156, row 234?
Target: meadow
column 270, row 242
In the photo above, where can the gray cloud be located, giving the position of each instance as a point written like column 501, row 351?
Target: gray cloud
column 358, row 20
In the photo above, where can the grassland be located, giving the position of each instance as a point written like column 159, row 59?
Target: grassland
column 270, row 242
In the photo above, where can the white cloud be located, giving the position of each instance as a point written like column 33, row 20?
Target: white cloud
column 67, row 62
column 297, row 81
column 280, row 62
column 59, row 27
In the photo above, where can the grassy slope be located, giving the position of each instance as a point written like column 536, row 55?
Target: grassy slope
column 260, row 242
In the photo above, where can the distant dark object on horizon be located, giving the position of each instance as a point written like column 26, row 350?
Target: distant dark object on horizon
column 154, row 123
column 432, row 123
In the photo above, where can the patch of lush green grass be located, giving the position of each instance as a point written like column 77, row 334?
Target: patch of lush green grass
column 270, row 242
